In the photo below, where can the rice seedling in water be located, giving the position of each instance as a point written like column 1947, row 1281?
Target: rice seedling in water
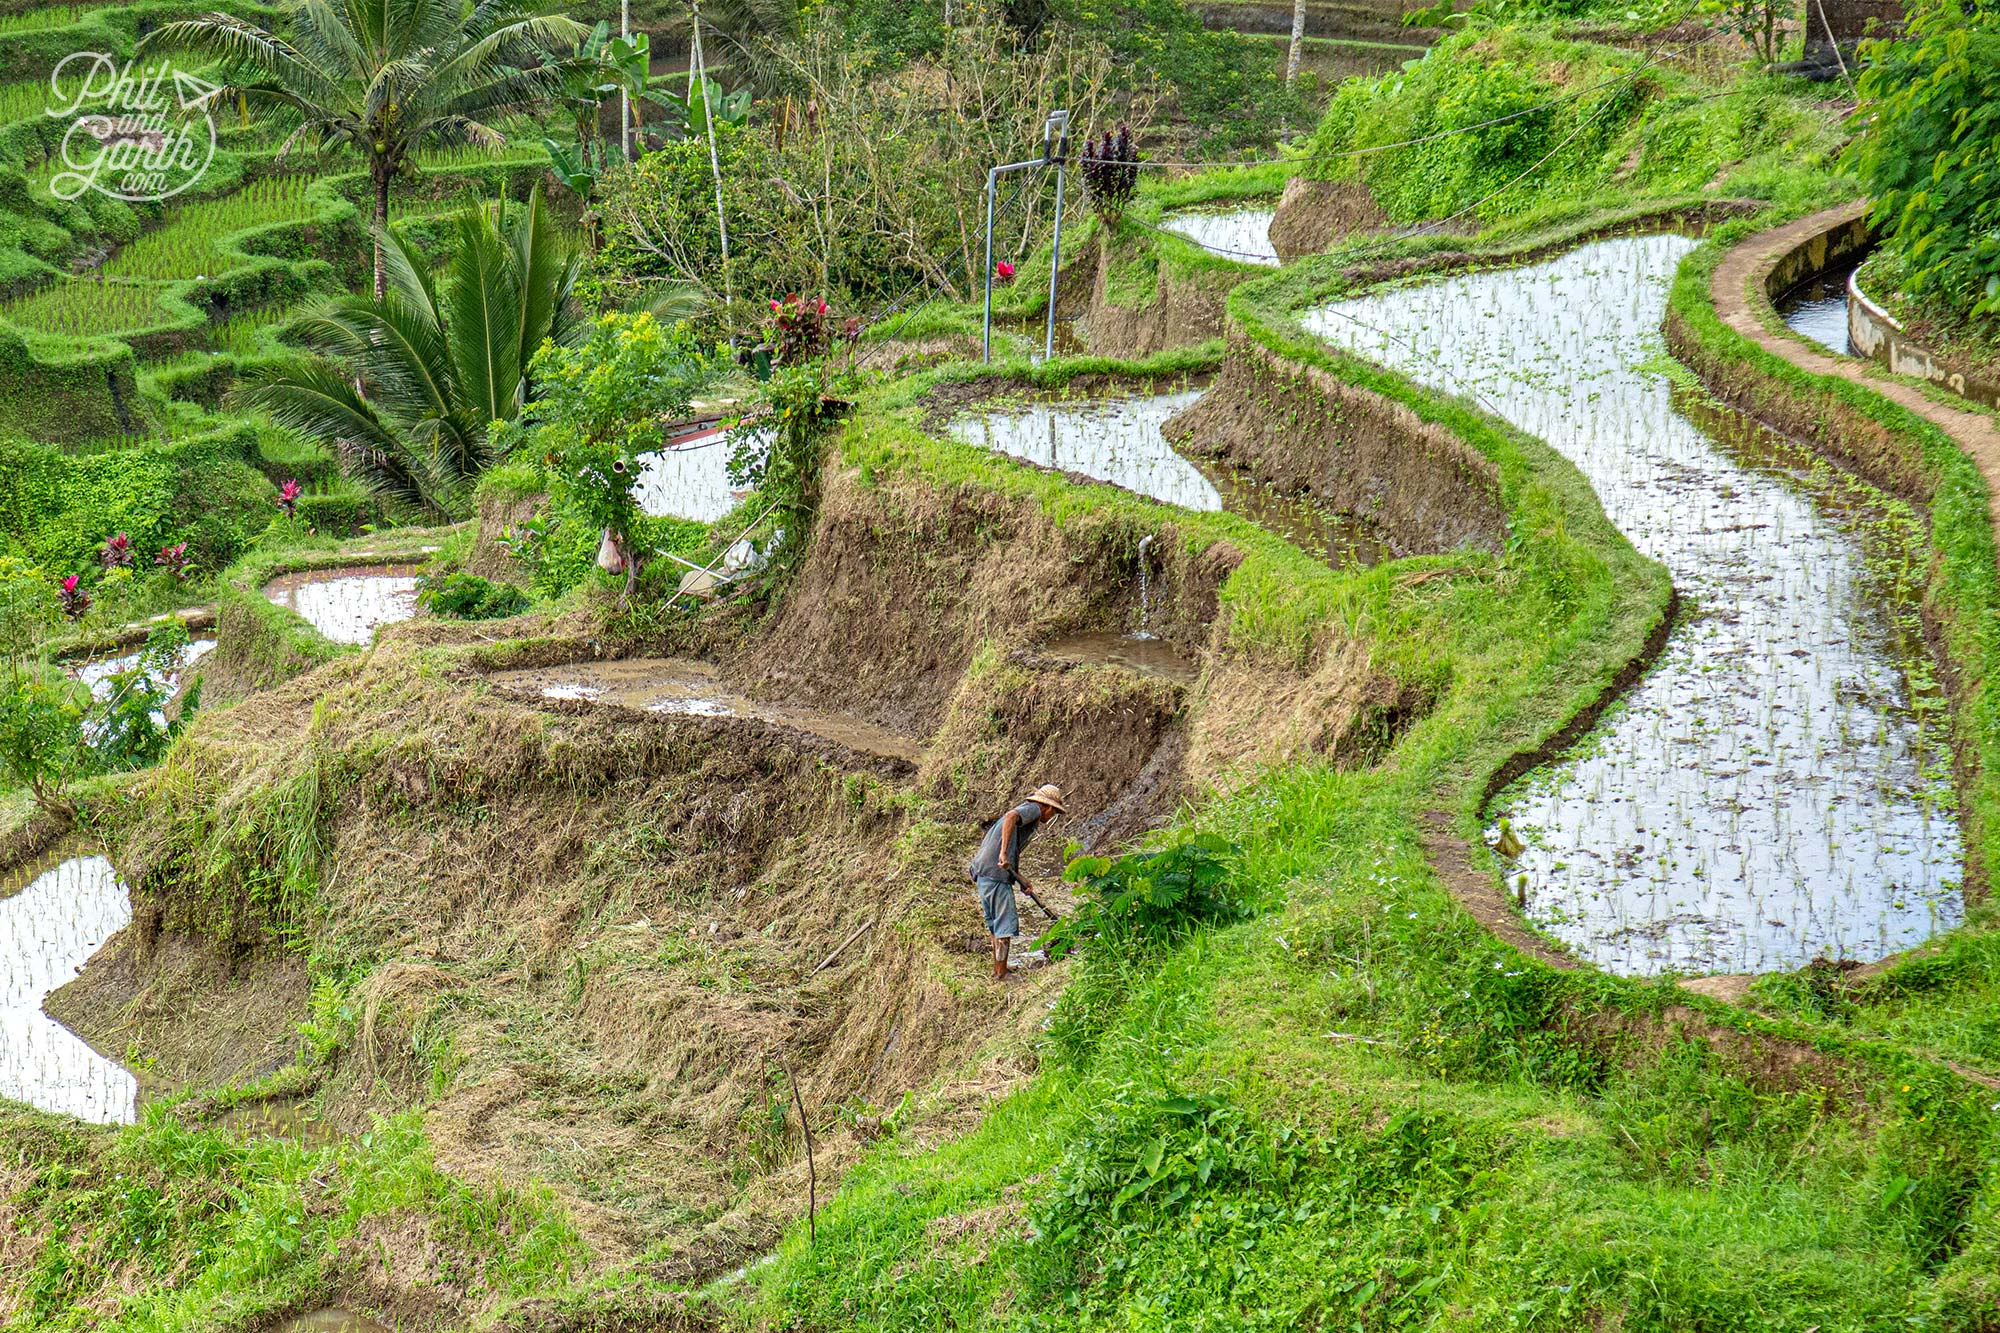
column 86, row 307
column 1768, row 793
column 47, row 931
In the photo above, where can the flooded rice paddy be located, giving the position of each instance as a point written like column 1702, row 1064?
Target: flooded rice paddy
column 690, row 688
column 1776, row 787
column 349, row 605
column 1242, row 234
column 1119, row 441
column 49, row 928
column 97, row 674
column 1817, row 308
column 331, row 1321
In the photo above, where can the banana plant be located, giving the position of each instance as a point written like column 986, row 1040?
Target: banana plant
column 687, row 117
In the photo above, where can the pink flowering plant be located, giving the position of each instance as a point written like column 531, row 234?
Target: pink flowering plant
column 288, row 498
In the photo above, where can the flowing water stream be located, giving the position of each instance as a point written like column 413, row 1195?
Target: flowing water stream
column 49, row 928
column 1776, row 788
column 1817, row 308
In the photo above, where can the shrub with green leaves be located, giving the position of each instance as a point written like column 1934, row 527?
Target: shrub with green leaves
column 1930, row 153
column 130, row 728
column 464, row 596
column 42, row 746
column 1145, row 899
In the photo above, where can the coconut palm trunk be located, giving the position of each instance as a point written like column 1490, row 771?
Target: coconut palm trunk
column 1298, row 41
column 379, row 176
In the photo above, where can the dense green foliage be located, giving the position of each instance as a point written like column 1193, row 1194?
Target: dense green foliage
column 1495, row 123
column 406, row 385
column 1930, row 154
column 56, row 509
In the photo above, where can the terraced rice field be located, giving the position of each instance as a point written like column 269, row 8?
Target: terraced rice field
column 20, row 101
column 85, row 307
column 191, row 245
column 40, row 20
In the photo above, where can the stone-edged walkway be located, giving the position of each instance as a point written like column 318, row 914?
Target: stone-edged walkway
column 1737, row 290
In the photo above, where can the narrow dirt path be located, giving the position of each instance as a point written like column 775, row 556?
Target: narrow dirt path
column 1738, row 292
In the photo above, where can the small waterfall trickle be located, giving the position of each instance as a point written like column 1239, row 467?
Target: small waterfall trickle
column 1145, row 590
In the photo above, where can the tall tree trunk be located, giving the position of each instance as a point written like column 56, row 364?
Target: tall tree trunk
column 381, row 181
column 1298, row 41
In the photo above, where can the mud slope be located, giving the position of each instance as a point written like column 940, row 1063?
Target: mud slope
column 596, row 941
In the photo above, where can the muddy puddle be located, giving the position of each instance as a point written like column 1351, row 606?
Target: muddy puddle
column 349, row 605
column 1118, row 440
column 1242, row 234
column 1143, row 653
column 1817, row 308
column 52, row 919
column 330, row 1321
column 1777, row 787
column 680, row 686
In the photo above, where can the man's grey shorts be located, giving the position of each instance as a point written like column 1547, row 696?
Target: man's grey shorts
column 996, row 899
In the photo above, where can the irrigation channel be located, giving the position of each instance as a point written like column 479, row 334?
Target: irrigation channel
column 1776, row 787
column 1817, row 308
column 1241, row 233
column 49, row 927
column 1119, row 441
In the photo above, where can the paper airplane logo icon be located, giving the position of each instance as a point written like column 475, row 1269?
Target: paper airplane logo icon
column 194, row 93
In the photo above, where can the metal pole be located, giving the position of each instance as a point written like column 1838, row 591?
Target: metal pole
column 986, row 335
column 1055, row 264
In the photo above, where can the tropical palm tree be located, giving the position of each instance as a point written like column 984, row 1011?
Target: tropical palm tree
column 387, row 77
column 404, row 387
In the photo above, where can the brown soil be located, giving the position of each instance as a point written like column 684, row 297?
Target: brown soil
column 590, row 939
column 488, row 559
column 1312, row 215
column 195, row 1012
column 1181, row 311
column 680, row 687
column 1301, row 430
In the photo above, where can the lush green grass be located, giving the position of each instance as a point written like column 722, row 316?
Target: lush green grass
column 1482, row 1142
column 206, row 1228
column 193, row 243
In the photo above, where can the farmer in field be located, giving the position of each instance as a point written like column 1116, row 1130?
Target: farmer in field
column 997, row 868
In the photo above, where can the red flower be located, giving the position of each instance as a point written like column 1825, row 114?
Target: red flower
column 288, row 498
column 1005, row 270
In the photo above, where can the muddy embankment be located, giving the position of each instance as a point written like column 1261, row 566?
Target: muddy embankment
column 595, row 917
column 1313, row 215
column 1301, row 429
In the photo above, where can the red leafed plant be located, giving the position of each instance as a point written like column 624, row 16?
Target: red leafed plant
column 288, row 498
column 75, row 601
column 175, row 560
column 799, row 330
column 117, row 553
